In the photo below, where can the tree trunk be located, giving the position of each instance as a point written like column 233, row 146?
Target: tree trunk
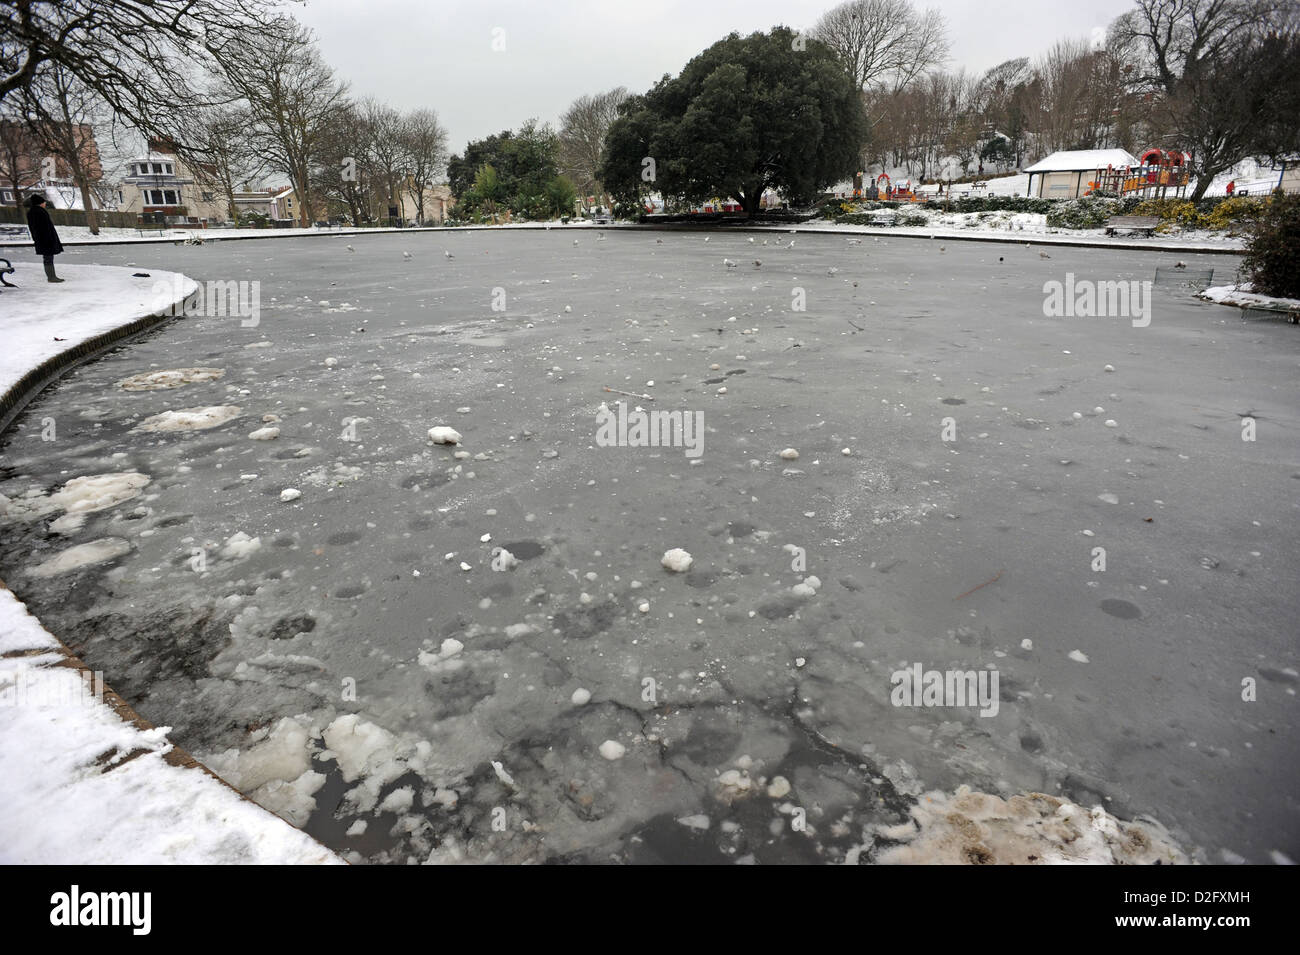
column 1202, row 184
column 92, row 217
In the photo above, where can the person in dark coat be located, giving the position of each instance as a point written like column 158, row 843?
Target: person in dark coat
column 44, row 237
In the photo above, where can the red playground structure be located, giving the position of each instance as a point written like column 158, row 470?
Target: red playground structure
column 1157, row 172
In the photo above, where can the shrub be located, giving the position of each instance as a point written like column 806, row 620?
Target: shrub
column 1171, row 212
column 1086, row 213
column 1272, row 260
column 1233, row 214
column 911, row 217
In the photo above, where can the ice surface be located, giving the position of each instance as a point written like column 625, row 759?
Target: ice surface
column 344, row 609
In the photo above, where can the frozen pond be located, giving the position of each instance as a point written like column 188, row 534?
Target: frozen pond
column 330, row 656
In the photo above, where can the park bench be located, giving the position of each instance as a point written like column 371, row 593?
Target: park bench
column 6, row 269
column 150, row 220
column 14, row 230
column 1144, row 224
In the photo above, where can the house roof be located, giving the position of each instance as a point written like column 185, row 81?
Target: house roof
column 1072, row 160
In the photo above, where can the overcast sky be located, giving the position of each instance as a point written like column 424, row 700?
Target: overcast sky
column 439, row 53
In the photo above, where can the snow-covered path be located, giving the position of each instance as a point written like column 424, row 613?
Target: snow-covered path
column 598, row 705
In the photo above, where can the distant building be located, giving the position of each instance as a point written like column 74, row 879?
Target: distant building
column 26, row 167
column 438, row 202
column 159, row 181
column 279, row 204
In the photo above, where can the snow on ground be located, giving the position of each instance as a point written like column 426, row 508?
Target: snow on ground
column 43, row 319
column 83, row 787
column 1023, row 227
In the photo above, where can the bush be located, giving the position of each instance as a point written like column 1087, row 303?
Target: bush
column 1086, row 213
column 1272, row 260
column 1001, row 204
column 1234, row 214
column 911, row 217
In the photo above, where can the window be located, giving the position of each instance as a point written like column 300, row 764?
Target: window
column 157, row 168
column 207, row 197
column 160, row 197
column 167, row 168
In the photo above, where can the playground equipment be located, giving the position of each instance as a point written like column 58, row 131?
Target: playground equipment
column 882, row 187
column 1157, row 172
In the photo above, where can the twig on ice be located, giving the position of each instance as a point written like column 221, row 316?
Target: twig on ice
column 985, row 584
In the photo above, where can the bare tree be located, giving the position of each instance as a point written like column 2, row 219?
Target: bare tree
column 384, row 152
column 19, row 154
column 1163, row 39
column 61, row 113
column 884, row 44
column 424, row 141
column 222, row 140
column 341, row 176
column 140, row 57
column 582, row 138
column 1220, row 74
column 292, row 96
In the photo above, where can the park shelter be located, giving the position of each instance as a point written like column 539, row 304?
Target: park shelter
column 1066, row 175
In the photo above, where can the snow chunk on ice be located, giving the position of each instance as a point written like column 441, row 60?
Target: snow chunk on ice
column 580, row 697
column 191, row 419
column 974, row 828
column 1078, row 656
column 612, row 750
column 82, row 555
column 441, row 434
column 503, row 560
column 80, row 496
column 357, row 745
column 677, row 560
column 239, row 545
column 790, row 454
column 290, row 494
column 172, row 378
column 398, row 801
column 265, row 434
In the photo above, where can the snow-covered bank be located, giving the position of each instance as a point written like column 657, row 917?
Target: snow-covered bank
column 83, row 782
column 83, row 785
column 43, row 320
column 1027, row 227
column 1242, row 296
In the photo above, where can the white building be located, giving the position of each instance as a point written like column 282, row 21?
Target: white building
column 159, row 181
column 1065, row 175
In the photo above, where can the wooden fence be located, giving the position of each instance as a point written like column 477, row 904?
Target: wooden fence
column 114, row 220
